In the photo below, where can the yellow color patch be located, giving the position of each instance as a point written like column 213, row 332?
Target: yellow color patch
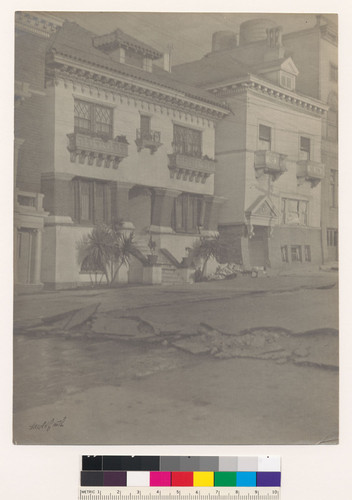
column 203, row 478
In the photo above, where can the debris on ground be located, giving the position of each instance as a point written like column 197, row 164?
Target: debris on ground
column 313, row 348
column 63, row 322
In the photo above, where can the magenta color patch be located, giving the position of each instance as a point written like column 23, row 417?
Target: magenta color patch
column 160, row 478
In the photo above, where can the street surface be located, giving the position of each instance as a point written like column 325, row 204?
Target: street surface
column 125, row 378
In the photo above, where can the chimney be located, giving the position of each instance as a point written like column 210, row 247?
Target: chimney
column 274, row 37
column 276, row 49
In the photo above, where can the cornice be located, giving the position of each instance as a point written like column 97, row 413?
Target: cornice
column 38, row 23
column 59, row 68
column 260, row 87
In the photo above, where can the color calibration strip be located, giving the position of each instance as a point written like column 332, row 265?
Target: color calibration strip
column 153, row 471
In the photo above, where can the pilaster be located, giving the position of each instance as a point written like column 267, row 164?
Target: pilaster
column 211, row 211
column 162, row 207
column 58, row 193
column 119, row 194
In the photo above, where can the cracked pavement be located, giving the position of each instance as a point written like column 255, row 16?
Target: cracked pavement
column 243, row 352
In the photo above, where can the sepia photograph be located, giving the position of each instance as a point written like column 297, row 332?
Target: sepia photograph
column 175, row 229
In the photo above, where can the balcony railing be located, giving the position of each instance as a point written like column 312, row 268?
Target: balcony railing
column 270, row 162
column 28, row 201
column 150, row 139
column 97, row 150
column 310, row 171
column 190, row 167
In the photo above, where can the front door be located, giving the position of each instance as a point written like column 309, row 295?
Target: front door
column 24, row 256
column 258, row 247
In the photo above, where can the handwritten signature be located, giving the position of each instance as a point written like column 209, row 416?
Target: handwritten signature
column 47, row 425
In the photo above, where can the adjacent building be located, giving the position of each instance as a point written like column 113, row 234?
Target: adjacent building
column 316, row 55
column 114, row 138
column 268, row 150
column 32, row 34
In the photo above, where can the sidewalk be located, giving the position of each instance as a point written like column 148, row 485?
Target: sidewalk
column 44, row 304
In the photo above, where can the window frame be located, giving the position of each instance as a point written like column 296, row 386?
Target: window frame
column 332, row 237
column 187, row 148
column 284, row 254
column 285, row 219
column 333, row 188
column 307, row 253
column 93, row 217
column 188, row 213
column 298, row 254
column 333, row 72
column 304, row 152
column 262, row 139
column 93, row 124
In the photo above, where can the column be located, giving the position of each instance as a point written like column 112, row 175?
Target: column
column 163, row 204
column 37, row 257
column 119, row 196
column 211, row 216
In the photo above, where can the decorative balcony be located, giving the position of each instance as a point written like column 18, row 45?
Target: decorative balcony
column 28, row 201
column 190, row 167
column 310, row 171
column 148, row 139
column 269, row 162
column 97, row 150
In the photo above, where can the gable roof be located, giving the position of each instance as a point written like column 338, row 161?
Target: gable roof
column 77, row 44
column 236, row 62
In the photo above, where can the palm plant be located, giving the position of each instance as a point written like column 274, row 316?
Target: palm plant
column 105, row 249
column 204, row 249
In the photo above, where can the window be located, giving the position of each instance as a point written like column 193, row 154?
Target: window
column 333, row 73
column 296, row 253
column 187, row 141
column 332, row 237
column 133, row 58
column 307, row 253
column 188, row 213
column 284, row 253
column 304, row 148
column 93, row 119
column 294, row 212
column 332, row 125
column 264, row 137
column 333, row 189
column 92, row 201
column 287, row 81
column 145, row 127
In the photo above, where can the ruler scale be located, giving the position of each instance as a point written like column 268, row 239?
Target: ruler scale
column 184, row 493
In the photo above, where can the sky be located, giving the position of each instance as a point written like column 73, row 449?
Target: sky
column 189, row 34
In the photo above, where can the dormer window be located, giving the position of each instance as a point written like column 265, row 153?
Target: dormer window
column 287, row 81
column 126, row 49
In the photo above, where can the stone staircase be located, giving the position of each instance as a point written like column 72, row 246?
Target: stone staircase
column 170, row 271
column 169, row 265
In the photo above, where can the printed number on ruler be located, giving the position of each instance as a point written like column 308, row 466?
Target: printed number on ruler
column 242, row 493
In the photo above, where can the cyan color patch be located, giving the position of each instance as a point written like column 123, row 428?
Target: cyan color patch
column 246, row 479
